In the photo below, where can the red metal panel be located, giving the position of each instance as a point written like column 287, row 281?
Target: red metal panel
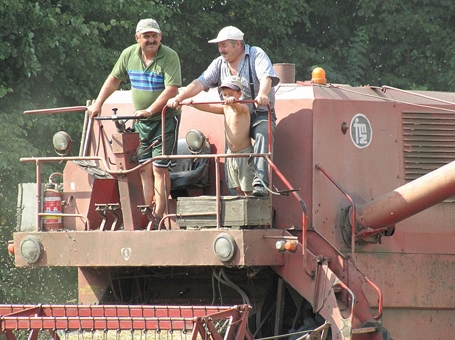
column 130, row 186
column 357, row 170
column 421, row 281
column 292, row 156
column 417, row 291
column 152, row 248
column 82, row 191
column 419, row 324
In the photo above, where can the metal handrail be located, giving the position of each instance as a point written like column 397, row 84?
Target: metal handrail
column 122, row 172
column 380, row 298
column 353, row 235
column 353, row 207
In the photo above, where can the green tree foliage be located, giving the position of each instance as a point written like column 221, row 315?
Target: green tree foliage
column 407, row 44
column 53, row 54
column 416, row 48
column 57, row 53
column 272, row 25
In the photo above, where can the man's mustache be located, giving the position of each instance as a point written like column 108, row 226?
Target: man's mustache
column 151, row 43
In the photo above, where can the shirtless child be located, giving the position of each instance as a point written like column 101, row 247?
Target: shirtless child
column 237, row 129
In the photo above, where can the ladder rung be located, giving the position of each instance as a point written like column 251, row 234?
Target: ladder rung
column 364, row 330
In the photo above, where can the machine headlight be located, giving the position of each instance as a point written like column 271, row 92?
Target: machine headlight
column 30, row 249
column 62, row 143
column 195, row 141
column 224, row 247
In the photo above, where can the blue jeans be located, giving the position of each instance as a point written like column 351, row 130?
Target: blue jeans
column 259, row 132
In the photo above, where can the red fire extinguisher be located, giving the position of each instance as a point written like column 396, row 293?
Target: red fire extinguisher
column 52, row 203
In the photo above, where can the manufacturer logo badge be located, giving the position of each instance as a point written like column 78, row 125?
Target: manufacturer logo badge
column 126, row 253
column 360, row 131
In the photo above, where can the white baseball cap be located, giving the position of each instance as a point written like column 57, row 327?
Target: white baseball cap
column 228, row 33
column 147, row 25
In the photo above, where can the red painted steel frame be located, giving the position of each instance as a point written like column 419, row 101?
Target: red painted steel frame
column 199, row 319
column 57, row 110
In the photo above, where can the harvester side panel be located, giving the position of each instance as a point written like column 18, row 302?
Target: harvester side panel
column 293, row 156
column 359, row 169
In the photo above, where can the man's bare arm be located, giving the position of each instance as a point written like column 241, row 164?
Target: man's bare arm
column 110, row 85
column 265, row 86
column 159, row 103
column 190, row 91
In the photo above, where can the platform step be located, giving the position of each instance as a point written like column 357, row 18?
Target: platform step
column 235, row 211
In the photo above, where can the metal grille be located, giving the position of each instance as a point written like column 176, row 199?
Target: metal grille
column 202, row 322
column 428, row 142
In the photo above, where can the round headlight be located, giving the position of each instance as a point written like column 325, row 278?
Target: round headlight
column 224, row 247
column 62, row 143
column 195, row 141
column 30, row 249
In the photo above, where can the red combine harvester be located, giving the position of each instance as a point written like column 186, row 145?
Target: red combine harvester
column 354, row 242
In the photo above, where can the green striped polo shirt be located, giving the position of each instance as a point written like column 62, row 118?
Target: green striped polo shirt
column 147, row 83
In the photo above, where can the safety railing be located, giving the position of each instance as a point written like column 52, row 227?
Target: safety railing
column 352, row 244
column 123, row 172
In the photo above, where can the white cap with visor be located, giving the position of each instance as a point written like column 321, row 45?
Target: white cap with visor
column 228, row 33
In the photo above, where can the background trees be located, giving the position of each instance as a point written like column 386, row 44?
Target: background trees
column 57, row 53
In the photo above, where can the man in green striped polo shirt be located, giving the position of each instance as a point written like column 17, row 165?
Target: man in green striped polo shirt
column 154, row 72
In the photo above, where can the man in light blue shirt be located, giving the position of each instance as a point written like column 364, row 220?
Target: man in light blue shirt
column 255, row 69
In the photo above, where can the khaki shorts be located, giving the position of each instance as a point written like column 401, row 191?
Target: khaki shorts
column 240, row 173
